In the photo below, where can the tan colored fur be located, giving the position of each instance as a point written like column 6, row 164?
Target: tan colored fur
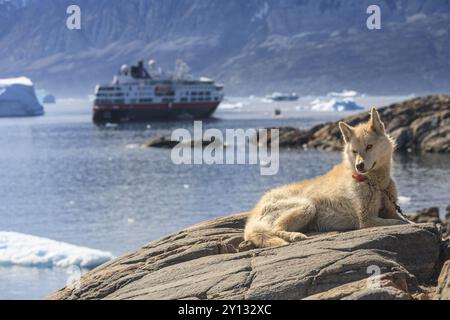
column 334, row 201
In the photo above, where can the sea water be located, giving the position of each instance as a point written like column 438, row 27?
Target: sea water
column 65, row 179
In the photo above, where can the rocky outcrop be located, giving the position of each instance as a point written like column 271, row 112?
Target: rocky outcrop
column 418, row 125
column 167, row 143
column 431, row 215
column 201, row 262
column 443, row 287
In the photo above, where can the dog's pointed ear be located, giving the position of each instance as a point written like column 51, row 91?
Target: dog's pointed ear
column 347, row 131
column 375, row 122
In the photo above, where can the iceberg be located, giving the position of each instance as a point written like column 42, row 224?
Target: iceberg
column 343, row 94
column 49, row 99
column 32, row 251
column 44, row 97
column 335, row 105
column 18, row 98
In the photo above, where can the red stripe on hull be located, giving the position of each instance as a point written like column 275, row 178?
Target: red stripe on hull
column 158, row 106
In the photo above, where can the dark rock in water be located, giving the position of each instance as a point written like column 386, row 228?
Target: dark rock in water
column 166, row 143
column 160, row 142
column 201, row 262
column 277, row 112
column 430, row 215
column 421, row 124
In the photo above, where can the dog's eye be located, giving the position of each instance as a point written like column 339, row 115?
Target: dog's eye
column 369, row 147
column 354, row 151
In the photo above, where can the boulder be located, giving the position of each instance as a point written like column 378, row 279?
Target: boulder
column 431, row 215
column 443, row 287
column 201, row 262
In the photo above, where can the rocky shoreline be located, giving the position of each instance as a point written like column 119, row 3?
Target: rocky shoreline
column 202, row 262
column 418, row 125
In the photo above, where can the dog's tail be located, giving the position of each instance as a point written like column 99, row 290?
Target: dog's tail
column 258, row 235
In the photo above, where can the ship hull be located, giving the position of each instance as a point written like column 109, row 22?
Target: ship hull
column 153, row 112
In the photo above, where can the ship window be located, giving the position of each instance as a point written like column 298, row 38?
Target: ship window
column 201, row 93
column 193, row 93
column 164, row 91
column 184, row 100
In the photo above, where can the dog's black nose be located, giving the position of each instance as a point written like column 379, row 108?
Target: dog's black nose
column 360, row 167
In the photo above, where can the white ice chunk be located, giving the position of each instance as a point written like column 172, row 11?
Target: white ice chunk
column 31, row 251
column 335, row 105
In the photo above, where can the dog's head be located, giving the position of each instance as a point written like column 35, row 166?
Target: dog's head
column 367, row 146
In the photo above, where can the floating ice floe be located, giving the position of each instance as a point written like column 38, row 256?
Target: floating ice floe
column 343, row 94
column 230, row 106
column 404, row 200
column 31, row 251
column 18, row 98
column 346, row 104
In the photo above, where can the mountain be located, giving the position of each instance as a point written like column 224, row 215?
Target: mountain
column 252, row 46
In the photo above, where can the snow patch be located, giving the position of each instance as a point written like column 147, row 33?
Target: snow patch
column 416, row 17
column 20, row 80
column 261, row 13
column 31, row 251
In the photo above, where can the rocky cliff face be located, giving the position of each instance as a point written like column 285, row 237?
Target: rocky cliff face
column 254, row 46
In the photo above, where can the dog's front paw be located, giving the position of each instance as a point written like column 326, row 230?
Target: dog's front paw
column 297, row 236
column 246, row 246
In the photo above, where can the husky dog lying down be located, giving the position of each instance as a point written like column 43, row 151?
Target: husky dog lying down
column 357, row 193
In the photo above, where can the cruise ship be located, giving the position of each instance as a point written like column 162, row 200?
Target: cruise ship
column 144, row 94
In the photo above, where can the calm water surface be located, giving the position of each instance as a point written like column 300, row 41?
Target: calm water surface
column 65, row 179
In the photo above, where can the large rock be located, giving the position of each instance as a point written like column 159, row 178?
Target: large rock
column 421, row 124
column 431, row 215
column 443, row 287
column 201, row 263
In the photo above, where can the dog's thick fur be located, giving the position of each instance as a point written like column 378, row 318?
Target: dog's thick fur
column 347, row 197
